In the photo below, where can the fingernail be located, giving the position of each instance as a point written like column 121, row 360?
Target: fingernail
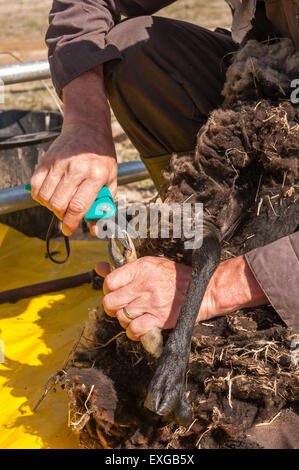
column 66, row 231
column 91, row 229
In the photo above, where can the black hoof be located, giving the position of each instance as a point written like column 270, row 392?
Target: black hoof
column 182, row 412
column 167, row 397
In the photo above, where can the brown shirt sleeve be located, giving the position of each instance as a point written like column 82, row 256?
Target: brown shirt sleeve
column 76, row 37
column 276, row 268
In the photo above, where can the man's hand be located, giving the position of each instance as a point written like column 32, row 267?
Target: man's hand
column 154, row 289
column 82, row 159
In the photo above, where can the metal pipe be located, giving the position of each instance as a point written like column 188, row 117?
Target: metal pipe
column 15, row 199
column 24, row 72
column 130, row 172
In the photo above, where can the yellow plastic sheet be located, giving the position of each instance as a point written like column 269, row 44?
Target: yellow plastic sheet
column 37, row 335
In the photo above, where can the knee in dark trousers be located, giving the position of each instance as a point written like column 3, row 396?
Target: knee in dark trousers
column 169, row 78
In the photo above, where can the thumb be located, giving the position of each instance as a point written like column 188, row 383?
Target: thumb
column 102, row 269
column 141, row 325
column 113, row 187
column 91, row 226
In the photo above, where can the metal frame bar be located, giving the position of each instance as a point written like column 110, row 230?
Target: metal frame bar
column 25, row 72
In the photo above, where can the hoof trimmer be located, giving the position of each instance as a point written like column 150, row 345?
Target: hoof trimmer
column 102, row 208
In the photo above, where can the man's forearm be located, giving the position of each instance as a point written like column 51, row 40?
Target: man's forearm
column 85, row 103
column 232, row 287
column 82, row 159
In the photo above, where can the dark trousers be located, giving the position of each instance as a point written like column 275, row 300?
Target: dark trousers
column 169, row 79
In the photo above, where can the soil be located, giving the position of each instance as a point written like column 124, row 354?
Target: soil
column 240, row 374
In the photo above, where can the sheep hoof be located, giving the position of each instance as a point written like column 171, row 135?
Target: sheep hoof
column 152, row 342
column 183, row 412
column 167, row 397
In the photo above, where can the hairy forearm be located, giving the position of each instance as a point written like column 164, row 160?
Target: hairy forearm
column 86, row 104
column 85, row 100
column 232, row 287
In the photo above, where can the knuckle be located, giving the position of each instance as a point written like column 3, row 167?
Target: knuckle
column 74, row 166
column 107, row 303
column 33, row 182
column 147, row 261
column 76, row 206
column 44, row 196
column 109, row 282
column 134, row 329
column 97, row 172
column 39, row 169
column 55, row 205
column 120, row 316
column 57, row 166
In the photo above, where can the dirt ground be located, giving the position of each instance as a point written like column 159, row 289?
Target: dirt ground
column 232, row 385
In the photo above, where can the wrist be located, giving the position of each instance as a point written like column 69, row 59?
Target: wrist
column 85, row 101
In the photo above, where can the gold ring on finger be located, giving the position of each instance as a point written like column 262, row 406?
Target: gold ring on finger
column 128, row 315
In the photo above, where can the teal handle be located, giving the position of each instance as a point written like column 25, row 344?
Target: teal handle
column 102, row 208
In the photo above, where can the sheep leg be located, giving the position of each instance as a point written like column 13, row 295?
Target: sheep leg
column 167, row 391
